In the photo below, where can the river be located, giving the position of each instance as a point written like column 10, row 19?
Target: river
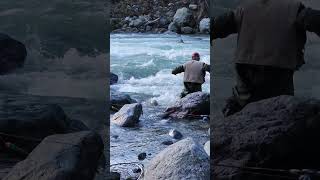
column 143, row 63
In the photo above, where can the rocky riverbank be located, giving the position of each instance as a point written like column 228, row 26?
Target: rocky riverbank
column 160, row 16
column 166, row 152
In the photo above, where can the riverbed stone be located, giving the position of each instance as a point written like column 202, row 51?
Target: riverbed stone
column 128, row 115
column 278, row 133
column 185, row 159
column 197, row 103
column 61, row 157
column 175, row 134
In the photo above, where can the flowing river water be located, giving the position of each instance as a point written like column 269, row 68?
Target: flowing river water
column 143, row 63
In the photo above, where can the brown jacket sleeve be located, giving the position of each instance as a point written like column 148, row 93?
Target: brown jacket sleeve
column 226, row 24
column 178, row 70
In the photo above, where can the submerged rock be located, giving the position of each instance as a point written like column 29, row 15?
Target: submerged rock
column 61, row 157
column 118, row 100
column 183, row 160
column 276, row 133
column 12, row 54
column 175, row 134
column 142, row 156
column 154, row 102
column 128, row 115
column 194, row 104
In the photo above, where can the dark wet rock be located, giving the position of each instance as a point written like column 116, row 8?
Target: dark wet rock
column 118, row 100
column 183, row 160
column 207, row 147
column 204, row 25
column 173, row 27
column 277, row 133
column 187, row 30
column 167, row 143
column 154, row 102
column 113, row 78
column 128, row 115
column 113, row 176
column 12, row 54
column 175, row 134
column 136, row 170
column 61, row 157
column 22, row 116
column 142, row 156
column 194, row 104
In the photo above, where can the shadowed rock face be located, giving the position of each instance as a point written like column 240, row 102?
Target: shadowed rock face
column 12, row 54
column 280, row 132
column 61, row 157
column 27, row 117
column 183, row 160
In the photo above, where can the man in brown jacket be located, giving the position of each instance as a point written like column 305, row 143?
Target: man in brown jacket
column 194, row 74
column 271, row 40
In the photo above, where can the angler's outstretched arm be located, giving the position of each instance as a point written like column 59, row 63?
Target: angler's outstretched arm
column 206, row 67
column 178, row 70
column 309, row 19
column 226, row 24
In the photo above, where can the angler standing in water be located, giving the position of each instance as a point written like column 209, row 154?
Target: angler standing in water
column 270, row 48
column 194, row 74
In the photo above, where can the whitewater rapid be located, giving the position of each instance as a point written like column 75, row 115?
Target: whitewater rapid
column 144, row 63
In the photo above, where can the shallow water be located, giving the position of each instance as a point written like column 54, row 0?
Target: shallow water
column 144, row 63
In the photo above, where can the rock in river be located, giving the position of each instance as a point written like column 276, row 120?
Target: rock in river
column 118, row 100
column 193, row 104
column 61, row 157
column 183, row 160
column 175, row 134
column 278, row 133
column 113, row 78
column 128, row 115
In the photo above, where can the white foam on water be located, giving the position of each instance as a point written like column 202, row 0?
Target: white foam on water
column 144, row 64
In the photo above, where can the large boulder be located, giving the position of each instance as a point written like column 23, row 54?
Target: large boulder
column 204, row 25
column 61, row 157
column 279, row 133
column 182, row 160
column 27, row 118
column 12, row 54
column 184, row 17
column 193, row 104
column 128, row 115
column 118, row 100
